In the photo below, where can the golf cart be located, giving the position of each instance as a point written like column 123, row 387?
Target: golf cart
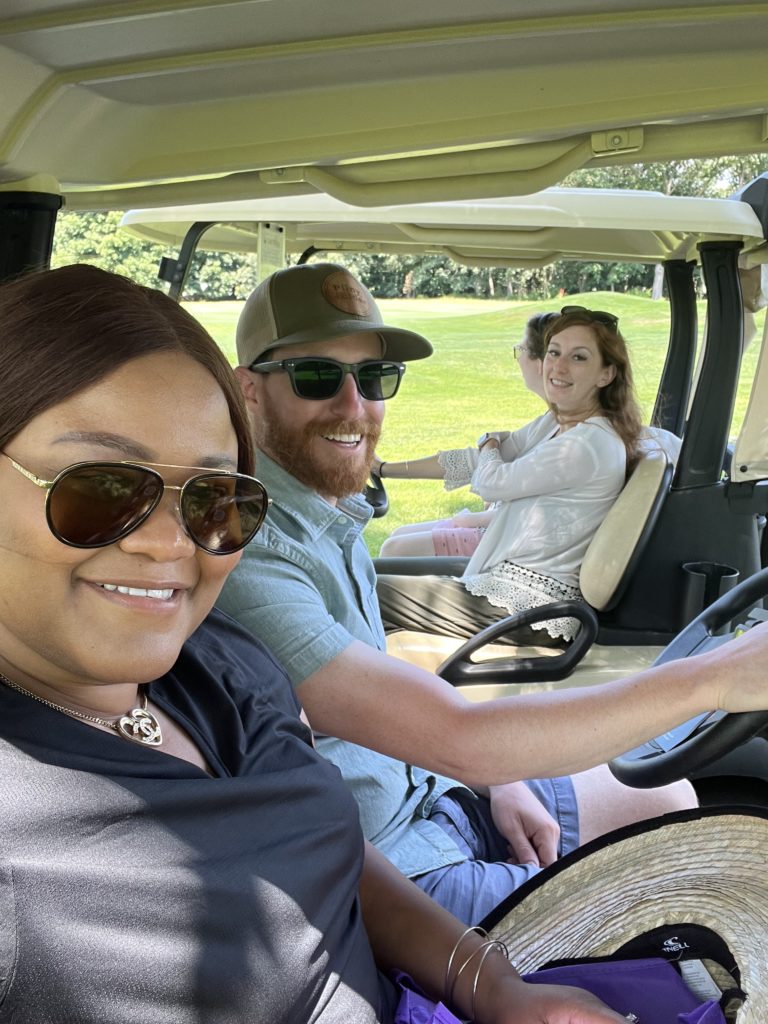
column 115, row 106
column 680, row 535
column 693, row 513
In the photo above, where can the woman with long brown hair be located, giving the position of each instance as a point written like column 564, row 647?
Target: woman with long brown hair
column 553, row 481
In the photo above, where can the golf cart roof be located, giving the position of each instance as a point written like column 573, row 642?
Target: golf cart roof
column 593, row 224
column 150, row 102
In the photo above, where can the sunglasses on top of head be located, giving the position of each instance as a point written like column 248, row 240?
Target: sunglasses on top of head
column 593, row 314
column 318, row 379
column 93, row 504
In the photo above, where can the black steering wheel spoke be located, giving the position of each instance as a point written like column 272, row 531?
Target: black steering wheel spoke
column 376, row 496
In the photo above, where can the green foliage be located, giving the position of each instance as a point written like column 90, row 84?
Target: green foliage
column 712, row 179
column 95, row 238
column 221, row 275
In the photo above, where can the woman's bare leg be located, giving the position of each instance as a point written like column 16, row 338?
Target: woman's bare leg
column 426, row 527
column 418, row 543
column 606, row 804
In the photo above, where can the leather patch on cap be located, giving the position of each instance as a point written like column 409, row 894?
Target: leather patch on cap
column 345, row 293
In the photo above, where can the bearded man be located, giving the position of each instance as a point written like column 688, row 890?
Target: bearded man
column 318, row 365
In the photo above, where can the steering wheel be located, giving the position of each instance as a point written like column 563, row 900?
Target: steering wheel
column 702, row 741
column 376, row 496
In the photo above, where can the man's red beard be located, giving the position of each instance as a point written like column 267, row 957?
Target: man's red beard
column 291, row 448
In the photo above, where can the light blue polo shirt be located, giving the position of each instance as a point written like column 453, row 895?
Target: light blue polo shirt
column 306, row 587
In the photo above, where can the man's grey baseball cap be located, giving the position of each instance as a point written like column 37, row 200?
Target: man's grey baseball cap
column 316, row 302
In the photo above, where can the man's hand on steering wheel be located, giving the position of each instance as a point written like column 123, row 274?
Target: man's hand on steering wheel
column 742, row 683
column 735, row 682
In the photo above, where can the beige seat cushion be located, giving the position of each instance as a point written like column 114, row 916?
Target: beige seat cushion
column 611, row 549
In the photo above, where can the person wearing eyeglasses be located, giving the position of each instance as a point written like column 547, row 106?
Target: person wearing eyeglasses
column 173, row 849
column 461, row 534
column 436, row 778
column 554, row 481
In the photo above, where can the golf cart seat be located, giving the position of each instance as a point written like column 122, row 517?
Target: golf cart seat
column 608, row 565
column 618, row 544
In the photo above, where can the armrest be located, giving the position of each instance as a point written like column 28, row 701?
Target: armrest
column 460, row 670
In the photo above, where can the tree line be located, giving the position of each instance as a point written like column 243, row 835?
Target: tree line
column 96, row 238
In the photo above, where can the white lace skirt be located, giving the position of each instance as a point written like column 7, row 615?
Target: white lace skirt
column 514, row 588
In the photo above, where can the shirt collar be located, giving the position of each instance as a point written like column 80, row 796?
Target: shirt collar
column 303, row 503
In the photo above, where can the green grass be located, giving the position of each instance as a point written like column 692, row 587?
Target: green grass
column 472, row 384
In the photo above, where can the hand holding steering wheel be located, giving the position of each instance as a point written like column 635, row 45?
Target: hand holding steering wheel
column 651, row 765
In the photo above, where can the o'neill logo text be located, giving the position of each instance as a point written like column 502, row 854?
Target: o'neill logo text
column 674, row 945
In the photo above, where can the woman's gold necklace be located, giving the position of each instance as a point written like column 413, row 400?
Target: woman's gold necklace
column 138, row 725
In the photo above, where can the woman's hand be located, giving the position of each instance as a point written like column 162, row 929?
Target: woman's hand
column 488, row 441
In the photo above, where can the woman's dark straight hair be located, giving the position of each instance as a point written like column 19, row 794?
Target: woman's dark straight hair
column 64, row 330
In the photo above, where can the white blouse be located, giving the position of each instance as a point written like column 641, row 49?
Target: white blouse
column 553, row 491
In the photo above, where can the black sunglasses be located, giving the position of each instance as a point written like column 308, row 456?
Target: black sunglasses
column 317, row 379
column 594, row 314
column 93, row 504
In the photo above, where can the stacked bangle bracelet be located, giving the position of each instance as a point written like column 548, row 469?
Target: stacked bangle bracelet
column 483, row 950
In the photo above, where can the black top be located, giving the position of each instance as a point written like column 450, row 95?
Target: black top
column 136, row 888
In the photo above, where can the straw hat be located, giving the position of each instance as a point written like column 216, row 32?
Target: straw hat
column 691, row 885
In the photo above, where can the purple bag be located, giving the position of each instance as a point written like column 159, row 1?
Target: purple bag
column 415, row 1008
column 650, row 988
